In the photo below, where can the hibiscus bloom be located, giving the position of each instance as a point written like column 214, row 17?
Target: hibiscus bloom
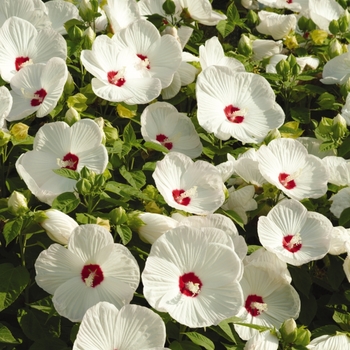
column 269, row 299
column 35, row 46
column 195, row 187
column 132, row 327
column 37, row 88
column 193, row 275
column 92, row 269
column 162, row 123
column 241, row 105
column 119, row 75
column 295, row 235
column 286, row 164
column 56, row 146
column 160, row 55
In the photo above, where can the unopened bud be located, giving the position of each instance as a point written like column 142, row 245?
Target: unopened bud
column 17, row 203
column 19, row 131
column 88, row 38
column 71, row 116
column 104, row 223
column 5, row 138
column 289, row 331
column 245, row 46
column 335, row 48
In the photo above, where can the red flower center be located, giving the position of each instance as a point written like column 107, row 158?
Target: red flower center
column 20, row 61
column 92, row 275
column 179, row 198
column 116, row 78
column 190, row 284
column 145, row 60
column 285, row 181
column 292, row 243
column 255, row 305
column 289, row 1
column 163, row 140
column 233, row 114
column 70, row 161
column 38, row 98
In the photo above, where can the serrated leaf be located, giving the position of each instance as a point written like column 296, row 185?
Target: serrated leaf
column 66, row 202
column 125, row 233
column 68, row 173
column 13, row 280
column 201, row 340
column 12, row 229
column 7, row 337
column 232, row 13
column 225, row 28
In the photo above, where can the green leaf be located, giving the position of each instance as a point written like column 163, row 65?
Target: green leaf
column 308, row 309
column 301, row 279
column 325, row 330
column 155, row 146
column 225, row 28
column 335, row 272
column 7, row 337
column 12, row 229
column 13, row 280
column 306, row 77
column 234, row 216
column 301, row 114
column 342, row 319
column 37, row 325
column 125, row 233
column 129, row 135
column 136, row 178
column 66, row 202
column 52, row 344
column 68, row 173
column 232, row 13
column 201, row 340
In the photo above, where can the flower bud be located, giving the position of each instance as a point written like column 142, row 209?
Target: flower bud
column 17, row 203
column 118, row 216
column 88, row 38
column 69, row 85
column 339, row 127
column 5, row 138
column 318, row 36
column 245, row 46
column 289, row 331
column 71, row 116
column 334, row 27
column 335, row 48
column 303, row 337
column 58, row 225
column 19, row 131
column 104, row 223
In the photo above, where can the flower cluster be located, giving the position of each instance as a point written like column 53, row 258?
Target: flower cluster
column 190, row 161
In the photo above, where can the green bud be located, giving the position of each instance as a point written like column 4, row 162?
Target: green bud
column 340, row 129
column 344, row 22
column 86, row 173
column 345, row 88
column 334, row 27
column 245, row 46
column 71, row 116
column 118, row 216
column 5, row 138
column 69, row 85
column 283, row 68
column 88, row 38
column 272, row 135
column 86, row 10
column 303, row 337
column 335, row 48
column 289, row 331
column 295, row 70
column 303, row 24
column 169, row 7
column 252, row 17
column 111, row 134
column 83, row 186
column 75, row 33
column 17, row 203
column 99, row 181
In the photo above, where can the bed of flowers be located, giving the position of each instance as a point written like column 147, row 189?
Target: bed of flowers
column 174, row 174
